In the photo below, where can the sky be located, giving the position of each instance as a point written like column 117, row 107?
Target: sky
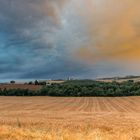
column 56, row 39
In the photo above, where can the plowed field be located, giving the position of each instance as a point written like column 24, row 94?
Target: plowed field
column 20, row 86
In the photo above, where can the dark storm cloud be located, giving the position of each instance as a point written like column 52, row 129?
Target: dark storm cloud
column 26, row 31
column 66, row 68
column 24, row 21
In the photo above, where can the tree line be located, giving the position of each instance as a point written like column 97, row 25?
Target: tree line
column 79, row 88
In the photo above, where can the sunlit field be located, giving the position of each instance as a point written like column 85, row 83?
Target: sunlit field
column 70, row 118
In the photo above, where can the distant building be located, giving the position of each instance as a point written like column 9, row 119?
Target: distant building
column 70, row 78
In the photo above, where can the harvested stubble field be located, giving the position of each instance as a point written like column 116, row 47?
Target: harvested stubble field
column 69, row 118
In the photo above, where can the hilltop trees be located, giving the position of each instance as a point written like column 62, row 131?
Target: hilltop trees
column 93, row 88
column 12, row 82
column 36, row 82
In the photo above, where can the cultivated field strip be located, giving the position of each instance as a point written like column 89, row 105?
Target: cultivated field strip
column 73, row 104
column 20, row 86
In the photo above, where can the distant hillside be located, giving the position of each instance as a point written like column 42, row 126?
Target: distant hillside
column 77, row 88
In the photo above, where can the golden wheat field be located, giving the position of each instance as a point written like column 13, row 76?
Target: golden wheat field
column 69, row 118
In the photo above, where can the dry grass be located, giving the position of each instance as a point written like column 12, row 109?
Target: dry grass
column 59, row 118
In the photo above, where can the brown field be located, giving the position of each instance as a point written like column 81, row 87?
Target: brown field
column 120, row 80
column 20, row 86
column 63, row 118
